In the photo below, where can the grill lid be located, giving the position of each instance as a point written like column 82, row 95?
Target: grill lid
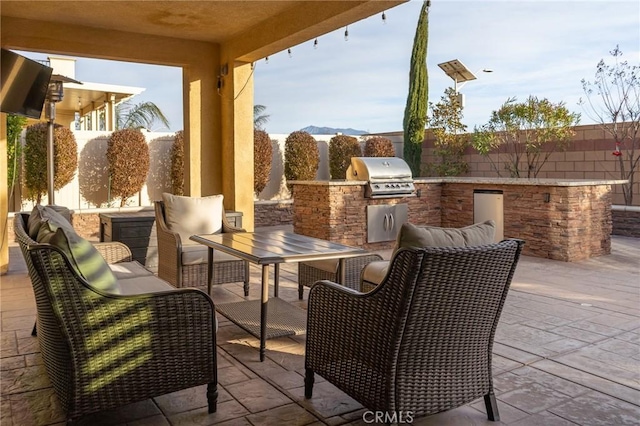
column 378, row 169
column 386, row 176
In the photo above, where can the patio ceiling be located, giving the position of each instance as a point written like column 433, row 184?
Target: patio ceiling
column 253, row 29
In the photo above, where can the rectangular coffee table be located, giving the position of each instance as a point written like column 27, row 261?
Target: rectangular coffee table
column 264, row 318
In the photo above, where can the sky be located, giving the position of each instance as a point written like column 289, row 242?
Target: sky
column 542, row 48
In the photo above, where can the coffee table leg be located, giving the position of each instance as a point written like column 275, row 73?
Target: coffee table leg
column 342, row 278
column 263, row 309
column 209, row 270
column 276, row 278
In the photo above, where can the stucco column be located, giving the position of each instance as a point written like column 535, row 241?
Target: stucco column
column 4, row 198
column 202, row 150
column 237, row 141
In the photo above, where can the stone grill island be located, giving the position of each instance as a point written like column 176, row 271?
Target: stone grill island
column 559, row 219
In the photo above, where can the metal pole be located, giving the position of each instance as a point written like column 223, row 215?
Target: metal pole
column 50, row 159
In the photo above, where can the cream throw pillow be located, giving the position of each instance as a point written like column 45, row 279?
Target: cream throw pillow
column 192, row 215
column 432, row 236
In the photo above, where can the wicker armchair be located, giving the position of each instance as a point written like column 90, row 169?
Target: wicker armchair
column 310, row 272
column 421, row 341
column 103, row 350
column 172, row 267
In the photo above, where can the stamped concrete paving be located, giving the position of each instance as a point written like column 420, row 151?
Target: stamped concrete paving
column 567, row 352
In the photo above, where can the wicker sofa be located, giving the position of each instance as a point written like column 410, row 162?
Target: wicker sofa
column 108, row 346
column 421, row 341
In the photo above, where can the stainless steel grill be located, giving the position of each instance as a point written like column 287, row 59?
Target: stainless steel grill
column 386, row 177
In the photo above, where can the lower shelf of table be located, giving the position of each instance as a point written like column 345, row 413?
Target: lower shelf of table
column 283, row 319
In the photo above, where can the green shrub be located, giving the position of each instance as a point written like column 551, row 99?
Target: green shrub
column 177, row 164
column 65, row 159
column 128, row 157
column 379, row 147
column 262, row 158
column 301, row 157
column 341, row 149
column 15, row 123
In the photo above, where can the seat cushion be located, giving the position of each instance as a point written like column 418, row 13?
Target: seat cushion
column 84, row 257
column 375, row 271
column 41, row 214
column 125, row 270
column 141, row 285
column 432, row 236
column 328, row 265
column 193, row 215
column 196, row 253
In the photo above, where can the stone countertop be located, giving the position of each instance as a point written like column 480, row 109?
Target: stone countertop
column 476, row 181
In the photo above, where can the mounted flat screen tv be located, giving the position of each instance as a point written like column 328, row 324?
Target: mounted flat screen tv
column 24, row 85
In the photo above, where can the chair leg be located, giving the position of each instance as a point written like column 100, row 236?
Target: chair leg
column 34, row 332
column 308, row 383
column 300, row 291
column 212, row 397
column 492, row 407
column 246, row 279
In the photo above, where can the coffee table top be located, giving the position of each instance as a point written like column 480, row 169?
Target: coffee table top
column 268, row 247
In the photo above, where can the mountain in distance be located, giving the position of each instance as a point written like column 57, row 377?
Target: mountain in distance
column 315, row 130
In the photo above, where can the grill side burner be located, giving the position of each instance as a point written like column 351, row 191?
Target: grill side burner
column 387, row 177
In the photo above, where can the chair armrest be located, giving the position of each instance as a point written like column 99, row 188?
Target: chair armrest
column 114, row 251
column 343, row 323
column 228, row 227
column 167, row 237
column 168, row 337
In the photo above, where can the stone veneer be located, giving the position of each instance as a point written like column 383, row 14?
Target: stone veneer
column 337, row 211
column 273, row 213
column 574, row 224
column 626, row 221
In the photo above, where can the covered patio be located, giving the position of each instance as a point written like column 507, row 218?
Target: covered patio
column 567, row 352
column 214, row 43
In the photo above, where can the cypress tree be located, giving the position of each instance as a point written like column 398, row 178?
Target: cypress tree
column 415, row 112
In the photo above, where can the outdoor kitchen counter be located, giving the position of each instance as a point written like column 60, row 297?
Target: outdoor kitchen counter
column 520, row 181
column 561, row 219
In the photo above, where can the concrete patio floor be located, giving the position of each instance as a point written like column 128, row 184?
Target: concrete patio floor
column 567, row 352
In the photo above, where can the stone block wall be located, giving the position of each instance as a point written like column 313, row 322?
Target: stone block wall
column 572, row 226
column 273, row 213
column 626, row 221
column 567, row 223
column 338, row 213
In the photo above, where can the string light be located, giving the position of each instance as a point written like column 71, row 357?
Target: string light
column 266, row 59
column 315, row 44
column 384, row 18
column 346, row 33
column 289, row 52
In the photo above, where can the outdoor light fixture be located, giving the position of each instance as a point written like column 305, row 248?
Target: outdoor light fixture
column 266, row 59
column 346, row 33
column 459, row 74
column 384, row 18
column 315, row 43
column 289, row 52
